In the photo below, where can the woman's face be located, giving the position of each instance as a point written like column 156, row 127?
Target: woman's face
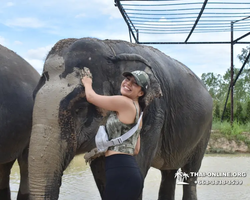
column 130, row 88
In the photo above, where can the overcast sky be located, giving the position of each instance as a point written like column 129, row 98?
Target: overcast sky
column 31, row 28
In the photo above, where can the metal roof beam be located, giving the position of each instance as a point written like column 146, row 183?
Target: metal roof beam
column 197, row 20
column 245, row 62
column 192, row 42
column 127, row 20
column 137, row 0
column 236, row 41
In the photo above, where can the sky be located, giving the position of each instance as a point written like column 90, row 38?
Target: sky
column 31, row 28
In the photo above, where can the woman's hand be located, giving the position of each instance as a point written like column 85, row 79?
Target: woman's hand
column 86, row 80
column 116, row 103
column 86, row 77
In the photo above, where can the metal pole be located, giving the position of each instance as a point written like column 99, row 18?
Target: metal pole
column 137, row 35
column 130, row 35
column 245, row 62
column 225, row 106
column 126, row 18
column 232, row 75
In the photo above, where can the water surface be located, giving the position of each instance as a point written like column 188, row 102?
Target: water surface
column 78, row 182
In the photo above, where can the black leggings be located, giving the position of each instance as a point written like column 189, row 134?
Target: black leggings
column 124, row 180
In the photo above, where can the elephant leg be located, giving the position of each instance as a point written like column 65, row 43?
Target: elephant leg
column 193, row 165
column 189, row 190
column 5, row 170
column 167, row 187
column 23, row 193
column 98, row 169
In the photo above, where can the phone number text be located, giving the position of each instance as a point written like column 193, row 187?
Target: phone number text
column 219, row 182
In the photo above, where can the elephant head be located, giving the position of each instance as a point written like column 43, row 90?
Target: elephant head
column 64, row 123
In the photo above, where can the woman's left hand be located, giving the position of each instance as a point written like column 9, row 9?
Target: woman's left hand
column 86, row 76
column 86, row 80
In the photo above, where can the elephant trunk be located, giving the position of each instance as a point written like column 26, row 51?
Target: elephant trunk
column 48, row 152
column 45, row 162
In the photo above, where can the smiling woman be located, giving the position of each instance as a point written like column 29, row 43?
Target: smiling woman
column 125, row 114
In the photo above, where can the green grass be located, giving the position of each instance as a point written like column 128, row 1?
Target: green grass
column 226, row 128
column 237, row 132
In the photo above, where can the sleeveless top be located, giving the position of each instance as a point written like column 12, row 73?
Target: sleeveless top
column 115, row 128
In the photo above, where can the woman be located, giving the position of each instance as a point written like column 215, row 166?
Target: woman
column 123, row 177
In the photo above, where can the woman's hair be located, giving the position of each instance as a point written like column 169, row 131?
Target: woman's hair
column 141, row 101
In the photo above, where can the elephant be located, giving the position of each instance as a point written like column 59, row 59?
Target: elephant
column 176, row 122
column 18, row 80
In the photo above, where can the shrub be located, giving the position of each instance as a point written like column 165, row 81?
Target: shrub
column 238, row 115
column 247, row 116
column 226, row 129
column 217, row 112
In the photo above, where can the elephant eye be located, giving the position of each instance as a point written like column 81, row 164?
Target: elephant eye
column 77, row 111
column 45, row 75
column 80, row 110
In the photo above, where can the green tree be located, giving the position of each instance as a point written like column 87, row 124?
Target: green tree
column 227, row 114
column 218, row 86
column 213, row 83
column 243, row 85
column 217, row 112
column 239, row 113
column 244, row 52
column 247, row 115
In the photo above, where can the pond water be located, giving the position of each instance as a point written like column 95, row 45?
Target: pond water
column 78, row 182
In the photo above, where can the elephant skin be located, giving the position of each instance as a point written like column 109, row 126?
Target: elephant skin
column 18, row 80
column 176, row 124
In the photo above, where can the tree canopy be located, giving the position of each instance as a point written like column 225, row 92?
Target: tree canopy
column 218, row 85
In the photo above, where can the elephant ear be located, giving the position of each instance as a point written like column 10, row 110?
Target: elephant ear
column 131, row 62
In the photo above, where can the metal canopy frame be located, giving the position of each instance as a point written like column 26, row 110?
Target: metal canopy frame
column 161, row 19
column 184, row 18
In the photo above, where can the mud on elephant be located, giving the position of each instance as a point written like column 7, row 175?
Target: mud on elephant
column 176, row 124
column 18, row 79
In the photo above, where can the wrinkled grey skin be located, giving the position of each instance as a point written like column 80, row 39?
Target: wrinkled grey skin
column 18, row 79
column 176, row 123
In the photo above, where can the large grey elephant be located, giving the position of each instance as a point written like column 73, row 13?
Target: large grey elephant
column 176, row 123
column 18, row 79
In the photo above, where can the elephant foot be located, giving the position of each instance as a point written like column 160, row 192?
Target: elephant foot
column 189, row 192
column 5, row 194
